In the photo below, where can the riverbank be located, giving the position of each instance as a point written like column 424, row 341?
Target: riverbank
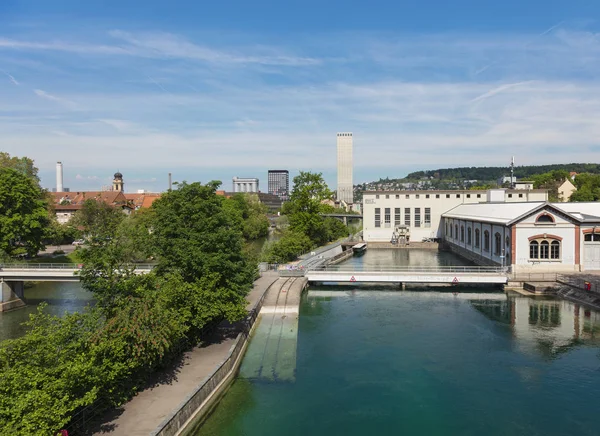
column 144, row 413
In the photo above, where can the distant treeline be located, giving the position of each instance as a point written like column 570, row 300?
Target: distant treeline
column 494, row 173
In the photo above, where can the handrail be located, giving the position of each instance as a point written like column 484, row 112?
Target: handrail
column 409, row 269
column 59, row 266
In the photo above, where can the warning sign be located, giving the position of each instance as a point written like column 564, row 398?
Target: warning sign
column 455, row 281
column 352, row 279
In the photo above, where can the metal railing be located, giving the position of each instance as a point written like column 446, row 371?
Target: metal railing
column 58, row 266
column 412, row 269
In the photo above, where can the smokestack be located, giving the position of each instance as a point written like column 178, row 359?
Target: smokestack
column 170, row 181
column 59, row 177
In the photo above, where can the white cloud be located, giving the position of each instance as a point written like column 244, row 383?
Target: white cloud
column 45, row 95
column 11, row 78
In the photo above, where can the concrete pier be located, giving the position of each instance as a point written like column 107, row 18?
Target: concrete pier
column 11, row 295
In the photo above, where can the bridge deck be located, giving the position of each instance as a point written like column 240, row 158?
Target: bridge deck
column 449, row 275
column 47, row 272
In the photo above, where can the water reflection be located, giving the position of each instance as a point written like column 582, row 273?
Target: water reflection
column 61, row 297
column 544, row 326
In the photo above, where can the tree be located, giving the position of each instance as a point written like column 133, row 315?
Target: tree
column 197, row 239
column 23, row 213
column 252, row 214
column 23, row 165
column 305, row 206
column 288, row 248
column 98, row 220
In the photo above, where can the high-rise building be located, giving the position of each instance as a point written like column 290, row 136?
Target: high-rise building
column 245, row 184
column 344, row 168
column 279, row 183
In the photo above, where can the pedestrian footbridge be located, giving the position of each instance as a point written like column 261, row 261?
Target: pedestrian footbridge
column 14, row 275
column 408, row 274
column 46, row 272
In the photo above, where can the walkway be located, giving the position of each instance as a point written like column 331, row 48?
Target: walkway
column 146, row 411
column 408, row 274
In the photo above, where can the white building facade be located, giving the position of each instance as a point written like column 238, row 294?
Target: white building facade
column 345, row 188
column 530, row 237
column 421, row 211
column 245, row 184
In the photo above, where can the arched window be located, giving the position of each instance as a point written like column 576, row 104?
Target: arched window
column 462, row 233
column 477, row 238
column 507, row 242
column 544, row 249
column 534, row 250
column 592, row 237
column 486, row 240
column 497, row 244
column 456, row 231
column 469, row 235
column 545, row 219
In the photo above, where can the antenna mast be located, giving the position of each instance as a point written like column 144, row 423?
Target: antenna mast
column 512, row 172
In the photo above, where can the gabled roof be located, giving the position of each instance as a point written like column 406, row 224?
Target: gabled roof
column 510, row 213
column 501, row 213
column 78, row 198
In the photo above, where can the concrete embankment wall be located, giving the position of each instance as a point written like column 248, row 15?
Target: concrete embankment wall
column 192, row 412
column 11, row 295
column 196, row 406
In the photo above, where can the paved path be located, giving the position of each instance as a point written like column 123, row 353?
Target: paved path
column 149, row 408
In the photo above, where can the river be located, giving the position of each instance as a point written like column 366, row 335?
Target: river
column 383, row 361
column 61, row 297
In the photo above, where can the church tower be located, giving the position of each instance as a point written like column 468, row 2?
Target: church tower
column 118, row 182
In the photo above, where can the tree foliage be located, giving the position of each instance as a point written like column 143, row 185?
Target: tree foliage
column 588, row 188
column 105, row 354
column 22, row 165
column 23, row 213
column 307, row 227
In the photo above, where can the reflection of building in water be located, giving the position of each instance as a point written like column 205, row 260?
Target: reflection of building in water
column 549, row 327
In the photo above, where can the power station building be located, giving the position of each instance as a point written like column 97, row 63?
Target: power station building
column 279, row 183
column 345, row 189
column 502, row 227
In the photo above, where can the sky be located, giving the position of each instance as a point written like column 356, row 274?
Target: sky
column 212, row 90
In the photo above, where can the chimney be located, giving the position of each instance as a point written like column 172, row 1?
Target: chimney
column 59, row 177
column 170, row 184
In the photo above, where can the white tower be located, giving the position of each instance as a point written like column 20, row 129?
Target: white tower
column 344, row 168
column 59, row 177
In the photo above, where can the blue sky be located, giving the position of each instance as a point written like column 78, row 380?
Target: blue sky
column 215, row 90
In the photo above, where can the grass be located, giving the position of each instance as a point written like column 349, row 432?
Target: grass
column 62, row 258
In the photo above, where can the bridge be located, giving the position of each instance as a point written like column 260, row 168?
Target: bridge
column 409, row 274
column 13, row 276
column 343, row 216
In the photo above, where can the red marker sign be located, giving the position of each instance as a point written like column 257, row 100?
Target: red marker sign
column 455, row 281
column 352, row 279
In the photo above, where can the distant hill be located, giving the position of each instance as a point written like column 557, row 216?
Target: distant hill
column 493, row 173
column 467, row 177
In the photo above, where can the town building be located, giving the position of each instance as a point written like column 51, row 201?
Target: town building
column 67, row 203
column 530, row 237
column 421, row 211
column 344, row 168
column 565, row 190
column 279, row 183
column 245, row 184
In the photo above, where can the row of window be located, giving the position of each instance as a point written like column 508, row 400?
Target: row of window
column 417, row 196
column 387, row 217
column 539, row 249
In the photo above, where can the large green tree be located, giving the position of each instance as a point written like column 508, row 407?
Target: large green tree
column 23, row 213
column 22, row 165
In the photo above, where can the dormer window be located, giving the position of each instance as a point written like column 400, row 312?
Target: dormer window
column 544, row 219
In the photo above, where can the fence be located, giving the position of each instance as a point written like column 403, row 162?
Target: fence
column 59, row 266
column 412, row 269
column 585, row 283
column 189, row 407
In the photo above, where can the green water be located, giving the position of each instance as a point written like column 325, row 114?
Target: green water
column 61, row 297
column 382, row 362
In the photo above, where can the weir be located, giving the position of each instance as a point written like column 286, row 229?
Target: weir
column 271, row 354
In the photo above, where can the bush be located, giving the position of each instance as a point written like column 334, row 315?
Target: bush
column 288, row 248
